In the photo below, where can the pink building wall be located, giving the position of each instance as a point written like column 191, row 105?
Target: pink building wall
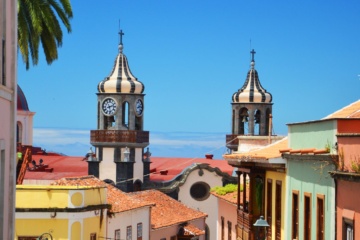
column 348, row 195
column 350, row 147
column 8, row 33
column 348, row 192
column 229, row 212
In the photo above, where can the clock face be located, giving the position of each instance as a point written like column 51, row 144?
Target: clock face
column 109, row 106
column 139, row 107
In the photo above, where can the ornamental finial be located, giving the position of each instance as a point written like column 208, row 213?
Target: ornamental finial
column 252, row 55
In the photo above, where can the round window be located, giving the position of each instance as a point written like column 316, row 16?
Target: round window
column 200, row 191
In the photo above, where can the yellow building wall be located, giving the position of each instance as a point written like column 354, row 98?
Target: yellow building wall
column 41, row 198
column 33, row 218
column 76, row 230
column 95, row 225
column 276, row 176
column 58, row 228
column 95, row 196
column 28, row 196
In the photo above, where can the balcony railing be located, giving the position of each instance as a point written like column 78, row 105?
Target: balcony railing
column 245, row 223
column 119, row 136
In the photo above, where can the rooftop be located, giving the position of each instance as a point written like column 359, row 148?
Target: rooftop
column 350, row 111
column 167, row 168
column 120, row 201
column 167, row 211
column 63, row 166
column 267, row 152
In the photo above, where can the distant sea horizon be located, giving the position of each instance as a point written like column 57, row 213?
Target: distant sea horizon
column 76, row 142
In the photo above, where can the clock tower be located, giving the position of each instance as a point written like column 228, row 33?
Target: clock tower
column 120, row 138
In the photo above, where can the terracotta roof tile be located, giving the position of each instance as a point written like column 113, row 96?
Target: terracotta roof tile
column 267, row 152
column 350, row 111
column 119, row 200
column 167, row 211
column 193, row 230
column 172, row 166
column 305, row 151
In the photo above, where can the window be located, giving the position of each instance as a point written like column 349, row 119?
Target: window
column 139, row 231
column 278, row 210
column 320, row 217
column 269, row 205
column 125, row 115
column 348, row 229
column 93, row 236
column 128, row 233
column 307, row 216
column 117, row 234
column 200, row 191
column 229, row 230
column 222, row 228
column 295, row 215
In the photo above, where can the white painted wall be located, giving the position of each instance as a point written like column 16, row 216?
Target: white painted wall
column 107, row 166
column 138, row 165
column 209, row 205
column 26, row 120
column 130, row 218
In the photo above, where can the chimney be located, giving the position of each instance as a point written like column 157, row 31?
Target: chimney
column 209, row 156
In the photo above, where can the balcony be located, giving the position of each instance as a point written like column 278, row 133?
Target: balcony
column 245, row 229
column 119, row 138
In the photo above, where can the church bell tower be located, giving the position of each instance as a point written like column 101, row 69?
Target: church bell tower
column 251, row 114
column 120, row 138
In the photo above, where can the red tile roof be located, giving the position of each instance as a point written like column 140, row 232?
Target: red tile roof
column 191, row 230
column 119, row 200
column 162, row 168
column 64, row 166
column 350, row 111
column 166, row 168
column 167, row 211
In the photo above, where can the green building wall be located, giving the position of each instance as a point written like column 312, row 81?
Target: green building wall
column 309, row 174
column 317, row 134
column 311, row 177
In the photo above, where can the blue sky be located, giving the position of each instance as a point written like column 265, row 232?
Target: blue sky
column 192, row 56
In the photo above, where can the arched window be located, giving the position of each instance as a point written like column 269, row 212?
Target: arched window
column 243, row 121
column 257, row 121
column 137, row 185
column 125, row 114
column 19, row 132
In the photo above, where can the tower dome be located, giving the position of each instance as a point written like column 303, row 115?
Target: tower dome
column 121, row 80
column 22, row 104
column 252, row 91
